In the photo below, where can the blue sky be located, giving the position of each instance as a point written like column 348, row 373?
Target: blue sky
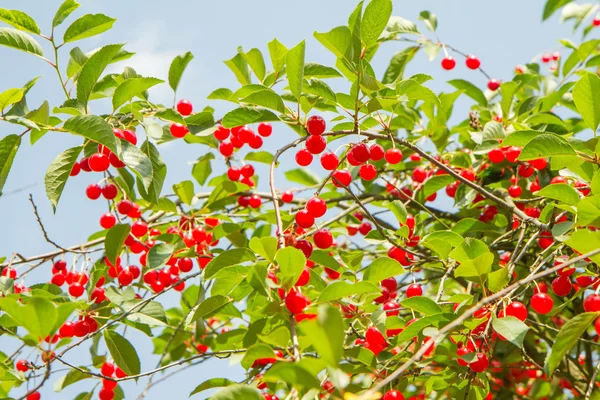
column 503, row 34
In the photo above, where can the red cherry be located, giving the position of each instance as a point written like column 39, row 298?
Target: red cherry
column 287, row 197
column 561, row 286
column 542, row 303
column 185, row 107
column 323, row 238
column 596, row 21
column 109, row 191
column 233, row 173
column 60, row 265
column 247, row 170
column 448, row 63
column 99, row 162
column 98, row 295
column 496, row 156
column 304, row 277
column 393, row 156
column 106, row 394
column 329, row 161
column 472, row 62
column 130, row 136
column 245, row 134
column 226, row 149
column 375, row 338
column 316, row 207
column 67, row 330
column 178, row 130
column 305, row 247
column 107, row 220
column 93, row 191
column 365, row 227
column 525, row 170
column 107, row 369
column 517, row 309
column 75, row 169
column 125, row 277
column 592, row 303
column 34, row 396
column 185, row 264
column 139, row 229
column 393, row 394
column 304, row 219
column 461, row 352
column 391, row 308
column 303, row 157
column 468, row 174
column 419, row 174
column 493, row 85
column 368, row 172
column 376, row 152
column 512, row 153
column 341, row 177
column 76, row 289
column 115, row 162
column 21, row 366
column 265, row 129
column 84, row 164
column 296, row 302
column 480, row 364
column 255, row 201
column 515, row 191
column 316, row 144
column 539, row 163
column 360, row 153
column 315, row 125
column 414, row 290
column 256, row 142
column 221, row 133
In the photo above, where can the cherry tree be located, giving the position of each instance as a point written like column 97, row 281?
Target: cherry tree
column 341, row 281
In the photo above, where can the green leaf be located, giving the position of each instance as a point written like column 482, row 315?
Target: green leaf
column 429, row 19
column 326, row 334
column 210, row 306
column 115, row 239
column 397, row 208
column 315, row 70
column 585, row 241
column 10, row 37
column 293, row 374
column 295, row 68
column 510, row 328
column 435, row 183
column 93, row 69
column 94, row 128
column 64, row 11
column 588, row 211
column 255, row 60
column 159, row 173
column 551, row 7
column 122, row 352
column 278, row 53
column 131, row 88
column 422, row 304
column 71, row 377
column 382, row 268
column 211, row 384
column 377, row 14
column 561, row 192
column 341, row 289
column 87, row 26
column 58, row 172
column 566, row 338
column 137, row 161
column 264, row 157
column 256, row 352
column 291, row 263
column 37, row 315
column 497, row 280
column 474, row 257
column 159, row 255
column 19, row 20
column 470, row 90
column 247, row 115
column 337, row 40
column 237, row 392
column 546, row 145
column 586, row 95
column 228, row 258
column 178, row 66
column 265, row 247
column 202, row 169
column 239, row 67
column 395, row 71
column 413, row 90
column 10, row 96
column 265, row 98
column 302, row 176
column 185, row 191
column 9, row 145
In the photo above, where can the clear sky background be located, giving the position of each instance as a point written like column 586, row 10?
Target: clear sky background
column 502, row 33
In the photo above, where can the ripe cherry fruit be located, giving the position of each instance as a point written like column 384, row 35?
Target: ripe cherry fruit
column 516, row 309
column 480, row 364
column 304, row 158
column 178, row 130
column 99, row 162
column 107, row 220
column 393, row 394
column 329, row 161
column 341, row 177
column 315, row 125
column 296, row 302
column 414, row 290
column 592, row 303
column 323, row 238
column 316, row 144
column 448, row 63
column 496, row 156
column 265, row 129
column 472, row 62
column 393, row 156
column 185, row 107
column 493, row 85
column 368, row 172
column 93, row 191
column 304, row 219
column 316, row 207
column 542, row 303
